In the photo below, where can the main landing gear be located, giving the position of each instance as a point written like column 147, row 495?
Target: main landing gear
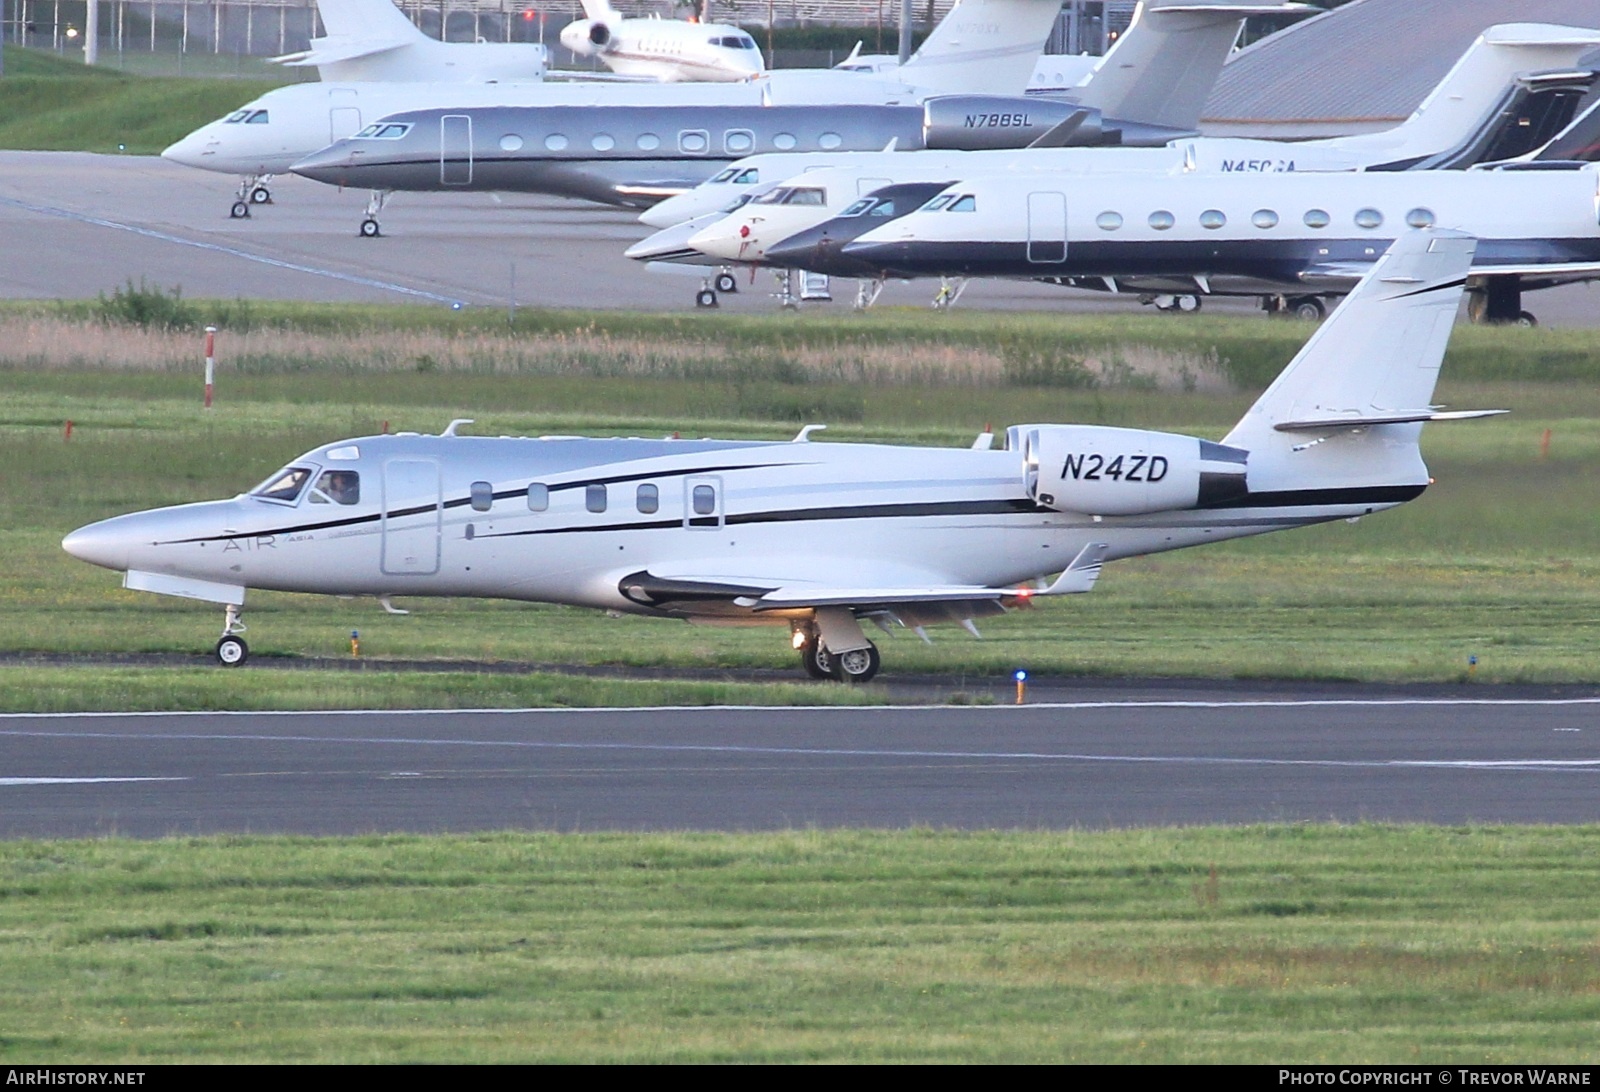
column 1304, row 308
column 252, row 191
column 1498, row 301
column 1183, row 303
column 375, row 202
column 231, row 651
column 857, row 665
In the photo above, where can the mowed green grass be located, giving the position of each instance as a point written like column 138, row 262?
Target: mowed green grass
column 1270, row 944
column 1498, row 560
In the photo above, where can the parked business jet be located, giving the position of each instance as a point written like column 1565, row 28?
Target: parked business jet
column 818, row 537
column 1270, row 235
column 662, row 49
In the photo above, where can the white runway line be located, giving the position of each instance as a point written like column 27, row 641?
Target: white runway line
column 218, row 248
column 5, row 781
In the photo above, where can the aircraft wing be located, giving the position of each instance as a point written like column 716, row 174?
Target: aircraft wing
column 328, row 51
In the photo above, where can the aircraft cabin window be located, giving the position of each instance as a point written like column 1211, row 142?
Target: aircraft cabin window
column 594, row 497
column 859, row 207
column 511, row 142
column 648, row 142
column 538, row 497
column 829, row 141
column 1264, row 218
column 482, row 496
column 1212, row 219
column 748, row 176
column 337, row 487
column 555, row 142
column 738, row 141
column 693, row 142
column 284, row 485
column 1369, row 218
column 1108, row 221
column 966, row 203
column 784, row 142
column 1161, row 219
column 807, row 195
column 704, row 500
column 1317, row 218
column 259, row 117
column 603, row 142
column 938, row 203
column 1419, row 218
column 648, row 499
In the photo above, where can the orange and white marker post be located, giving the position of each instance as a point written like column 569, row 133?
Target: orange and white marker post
column 211, row 362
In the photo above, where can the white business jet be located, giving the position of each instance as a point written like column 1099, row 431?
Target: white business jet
column 819, row 537
column 662, row 49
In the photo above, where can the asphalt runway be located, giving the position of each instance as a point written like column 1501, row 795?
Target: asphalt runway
column 73, row 225
column 1118, row 760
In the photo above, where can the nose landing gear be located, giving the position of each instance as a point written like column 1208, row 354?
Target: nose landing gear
column 231, row 651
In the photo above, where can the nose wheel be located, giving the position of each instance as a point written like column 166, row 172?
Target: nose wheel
column 240, row 211
column 705, row 298
column 370, row 229
column 231, row 651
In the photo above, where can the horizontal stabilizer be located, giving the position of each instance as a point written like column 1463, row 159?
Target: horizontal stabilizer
column 328, row 51
column 1400, row 417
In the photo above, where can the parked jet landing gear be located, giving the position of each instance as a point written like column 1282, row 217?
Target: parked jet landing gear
column 252, row 191
column 950, row 289
column 867, row 293
column 859, row 665
column 231, row 651
column 375, row 202
column 726, row 283
column 1185, row 303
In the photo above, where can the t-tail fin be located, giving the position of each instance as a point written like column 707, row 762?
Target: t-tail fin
column 600, row 11
column 1349, row 408
column 984, row 47
column 366, row 19
column 1162, row 68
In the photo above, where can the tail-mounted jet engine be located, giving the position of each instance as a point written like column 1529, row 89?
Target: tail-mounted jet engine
column 587, row 37
column 975, row 123
column 1099, row 471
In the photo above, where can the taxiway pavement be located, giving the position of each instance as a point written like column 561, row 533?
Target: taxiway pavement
column 75, row 224
column 1122, row 759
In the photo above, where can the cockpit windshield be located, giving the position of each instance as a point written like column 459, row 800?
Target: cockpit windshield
column 859, row 207
column 236, row 117
column 748, row 176
column 286, row 485
column 806, row 195
column 257, row 117
column 391, row 130
column 337, row 487
column 965, row 203
column 938, row 203
column 724, row 176
column 775, row 197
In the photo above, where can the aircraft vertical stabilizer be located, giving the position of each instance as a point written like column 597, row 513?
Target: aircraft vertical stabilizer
column 1162, row 68
column 1349, row 408
column 366, row 19
column 987, row 46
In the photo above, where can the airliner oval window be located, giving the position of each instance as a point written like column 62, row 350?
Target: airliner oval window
column 1317, row 218
column 830, row 141
column 603, row 142
column 1212, row 219
column 648, row 142
column 1369, row 218
column 511, row 142
column 649, row 499
column 784, row 142
column 538, row 497
column 738, row 141
column 966, row 203
column 693, row 141
column 1161, row 220
column 482, row 496
column 555, row 142
column 1420, row 218
column 1264, row 218
column 1108, row 221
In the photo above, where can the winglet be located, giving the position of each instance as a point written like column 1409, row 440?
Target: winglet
column 1080, row 576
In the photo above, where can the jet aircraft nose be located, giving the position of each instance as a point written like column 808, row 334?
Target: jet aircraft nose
column 731, row 239
column 331, row 165
column 878, row 254
column 107, row 543
column 190, row 151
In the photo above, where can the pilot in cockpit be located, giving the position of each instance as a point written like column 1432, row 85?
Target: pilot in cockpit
column 338, row 486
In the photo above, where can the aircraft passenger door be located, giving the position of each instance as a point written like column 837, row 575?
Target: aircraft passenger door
column 1047, row 227
column 411, row 517
column 455, row 150
column 343, row 121
column 702, row 502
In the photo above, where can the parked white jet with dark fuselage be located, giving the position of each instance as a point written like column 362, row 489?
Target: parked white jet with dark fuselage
column 819, row 536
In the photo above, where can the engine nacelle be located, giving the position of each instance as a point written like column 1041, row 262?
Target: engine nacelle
column 586, row 37
column 975, row 123
column 1100, row 471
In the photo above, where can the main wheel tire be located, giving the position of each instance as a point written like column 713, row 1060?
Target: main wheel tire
column 817, row 661
column 858, row 665
column 705, row 298
column 727, row 283
column 240, row 211
column 260, row 196
column 1525, row 318
column 369, row 229
column 232, row 651
column 1307, row 309
column 1187, row 304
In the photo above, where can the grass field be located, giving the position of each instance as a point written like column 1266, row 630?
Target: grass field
column 1264, row 945
column 1498, row 560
